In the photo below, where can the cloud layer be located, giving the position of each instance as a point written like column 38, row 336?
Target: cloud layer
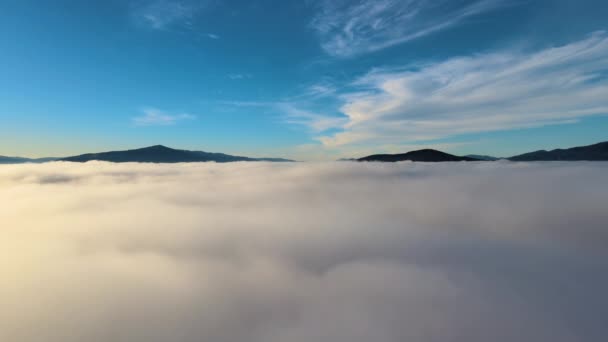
column 162, row 14
column 480, row 93
column 303, row 252
column 157, row 117
column 348, row 28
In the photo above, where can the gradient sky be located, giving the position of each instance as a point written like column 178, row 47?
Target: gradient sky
column 311, row 80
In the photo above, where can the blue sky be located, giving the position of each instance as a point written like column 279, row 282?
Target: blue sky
column 311, row 80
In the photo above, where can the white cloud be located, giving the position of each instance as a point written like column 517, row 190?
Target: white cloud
column 213, row 36
column 321, row 89
column 480, row 93
column 167, row 14
column 295, row 113
column 292, row 114
column 156, row 117
column 348, row 28
column 239, row 76
column 336, row 252
column 247, row 103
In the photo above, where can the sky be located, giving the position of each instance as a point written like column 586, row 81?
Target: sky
column 309, row 80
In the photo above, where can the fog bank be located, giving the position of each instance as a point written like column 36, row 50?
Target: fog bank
column 299, row 252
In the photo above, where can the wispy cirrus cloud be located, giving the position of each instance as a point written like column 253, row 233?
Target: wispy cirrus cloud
column 157, row 117
column 161, row 14
column 296, row 113
column 168, row 14
column 315, row 121
column 479, row 93
column 238, row 76
column 348, row 28
column 321, row 89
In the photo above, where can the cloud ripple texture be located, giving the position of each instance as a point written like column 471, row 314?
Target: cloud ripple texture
column 299, row 252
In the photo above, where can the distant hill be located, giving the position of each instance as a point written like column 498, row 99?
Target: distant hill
column 596, row 152
column 482, row 157
column 163, row 154
column 13, row 160
column 20, row 160
column 426, row 155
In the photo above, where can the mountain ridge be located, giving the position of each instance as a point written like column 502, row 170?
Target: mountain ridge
column 163, row 154
column 594, row 152
column 22, row 160
column 424, row 155
column 482, row 157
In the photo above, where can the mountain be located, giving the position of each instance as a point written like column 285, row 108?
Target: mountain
column 20, row 160
column 482, row 157
column 163, row 154
column 592, row 152
column 426, row 155
column 13, row 160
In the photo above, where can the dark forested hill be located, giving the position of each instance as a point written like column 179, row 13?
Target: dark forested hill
column 426, row 155
column 597, row 151
column 163, row 154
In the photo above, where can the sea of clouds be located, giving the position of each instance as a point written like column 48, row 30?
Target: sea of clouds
column 300, row 252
